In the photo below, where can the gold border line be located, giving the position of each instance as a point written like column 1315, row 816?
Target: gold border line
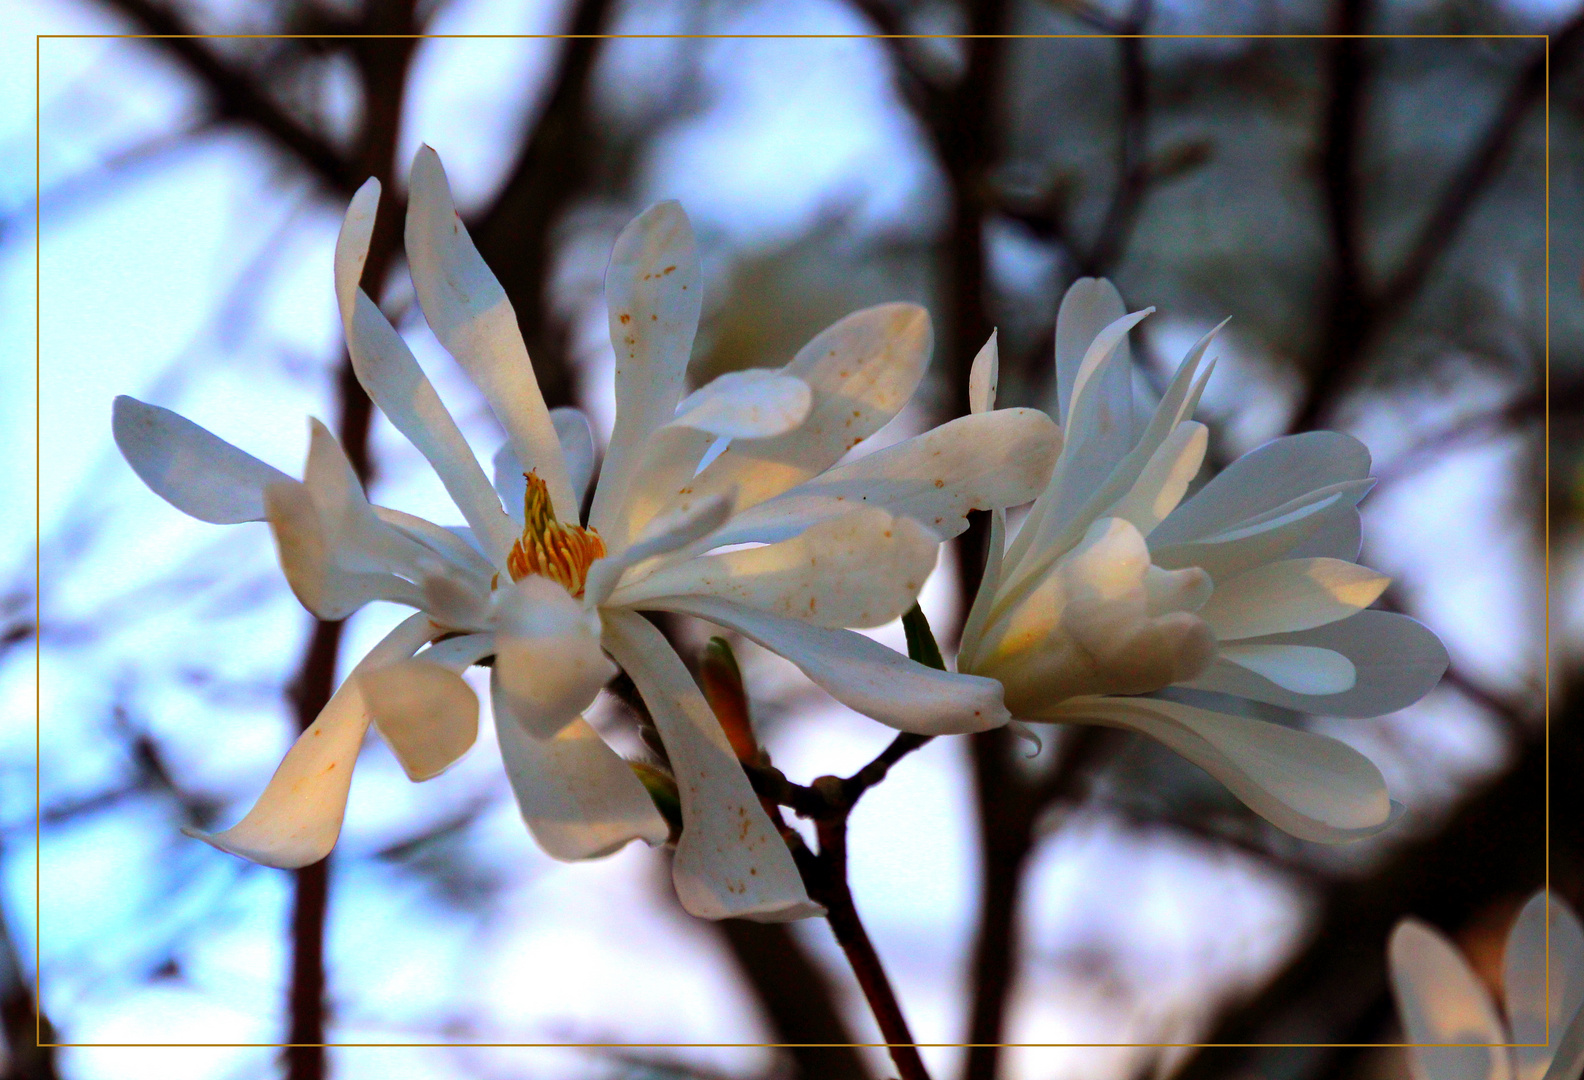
column 38, row 1011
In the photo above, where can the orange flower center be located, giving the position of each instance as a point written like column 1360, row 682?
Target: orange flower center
column 562, row 553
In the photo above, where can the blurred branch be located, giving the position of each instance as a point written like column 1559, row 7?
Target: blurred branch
column 1133, row 166
column 1356, row 314
column 239, row 95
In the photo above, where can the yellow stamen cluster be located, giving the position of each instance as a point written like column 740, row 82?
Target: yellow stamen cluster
column 562, row 553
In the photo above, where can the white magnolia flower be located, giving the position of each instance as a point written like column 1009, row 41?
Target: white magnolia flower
column 810, row 548
column 1441, row 1000
column 1111, row 590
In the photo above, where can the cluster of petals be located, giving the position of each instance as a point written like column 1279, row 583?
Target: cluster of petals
column 1445, row 1008
column 728, row 504
column 1120, row 603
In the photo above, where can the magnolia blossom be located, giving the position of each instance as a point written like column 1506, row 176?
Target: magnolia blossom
column 1115, row 605
column 744, row 464
column 1441, row 1000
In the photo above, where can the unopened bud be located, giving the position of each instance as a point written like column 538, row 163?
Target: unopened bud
column 723, row 688
column 662, row 789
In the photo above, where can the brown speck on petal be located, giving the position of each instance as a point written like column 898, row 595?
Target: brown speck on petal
column 626, row 318
column 940, row 483
column 667, row 270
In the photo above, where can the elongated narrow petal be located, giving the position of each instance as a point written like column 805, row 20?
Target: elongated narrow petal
column 1166, row 477
column 1525, row 974
column 653, row 296
column 861, row 370
column 307, row 556
column 298, row 817
column 577, row 449
column 985, row 376
column 459, row 553
column 1266, row 478
column 1314, row 787
column 469, row 313
column 730, row 861
column 387, row 371
column 863, row 674
column 1066, row 510
column 1441, row 1001
column 1088, row 307
column 548, row 659
column 981, row 462
column 1315, row 525
column 1296, row 594
column 195, row 471
column 427, row 714
column 862, row 569
column 1303, row 669
column 1396, row 661
column 750, row 404
column 578, row 797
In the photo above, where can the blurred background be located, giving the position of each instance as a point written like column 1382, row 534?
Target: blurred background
column 1372, row 214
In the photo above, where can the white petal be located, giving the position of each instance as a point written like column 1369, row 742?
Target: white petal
column 195, row 471
column 352, row 245
column 450, row 546
column 578, row 797
column 469, row 313
column 1265, row 478
column 981, row 462
column 1568, row 1061
column 1067, row 509
column 862, row 569
column 1314, row 787
column 1165, row 478
column 750, row 404
column 861, row 370
column 308, row 558
column 1441, row 1001
column 387, row 371
column 298, row 817
column 1303, row 669
column 427, row 714
column 730, row 861
column 1395, row 662
column 862, row 674
column 1294, row 530
column 666, row 533
column 984, row 376
column 1100, row 414
column 1295, row 594
column 360, row 540
column 548, row 659
column 577, row 449
column 1525, row 974
column 652, row 292
column 1088, row 307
